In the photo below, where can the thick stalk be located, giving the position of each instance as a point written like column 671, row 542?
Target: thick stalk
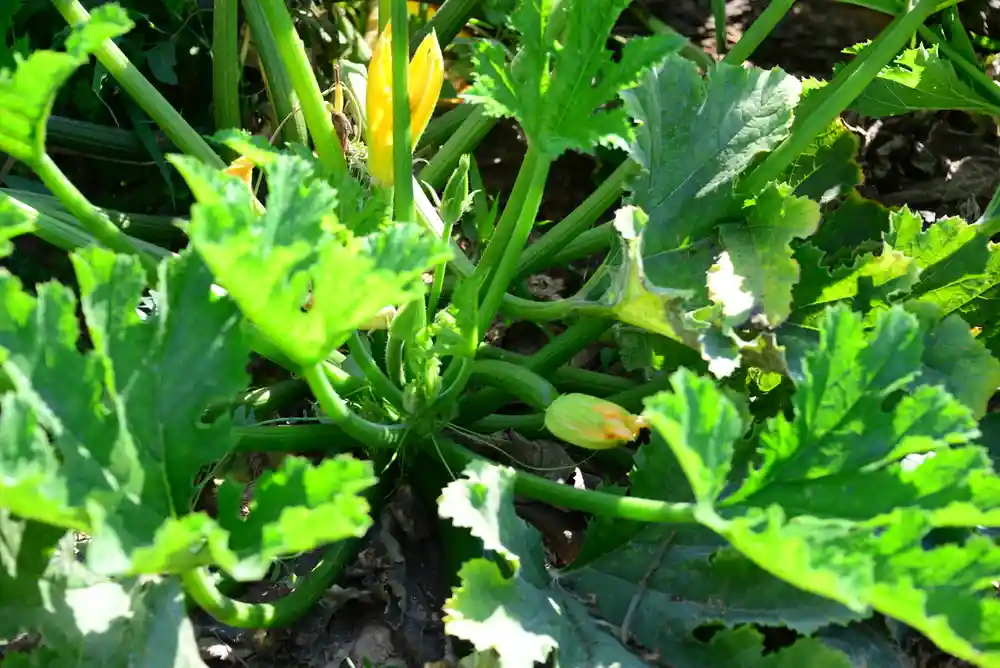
column 310, row 588
column 758, row 31
column 402, row 153
column 499, row 263
column 371, row 434
column 519, row 308
column 449, row 20
column 567, row 378
column 142, row 91
column 293, row 54
column 852, row 81
column 567, row 496
column 278, row 82
column 90, row 217
column 442, row 127
column 462, row 140
column 226, row 65
column 553, row 355
column 579, row 220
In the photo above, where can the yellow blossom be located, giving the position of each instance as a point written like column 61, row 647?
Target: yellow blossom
column 424, row 80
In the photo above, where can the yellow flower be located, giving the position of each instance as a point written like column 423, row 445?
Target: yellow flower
column 424, row 81
column 591, row 423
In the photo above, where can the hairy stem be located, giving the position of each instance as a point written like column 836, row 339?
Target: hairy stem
column 758, row 31
column 142, row 91
column 498, row 265
column 287, row 113
column 402, row 153
column 293, row 54
column 226, row 65
column 371, row 434
column 91, row 218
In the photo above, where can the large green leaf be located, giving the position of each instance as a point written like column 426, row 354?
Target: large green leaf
column 685, row 577
column 117, row 452
column 518, row 610
column 27, row 93
column 271, row 262
column 87, row 621
column 557, row 89
column 696, row 137
column 848, row 487
column 920, row 80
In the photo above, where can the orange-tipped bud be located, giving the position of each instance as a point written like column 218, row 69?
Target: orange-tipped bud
column 590, row 422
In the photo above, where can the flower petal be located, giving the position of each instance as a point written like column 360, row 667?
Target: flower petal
column 426, row 76
column 379, row 109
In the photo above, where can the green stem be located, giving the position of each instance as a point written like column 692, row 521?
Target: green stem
column 516, row 380
column 982, row 80
column 263, row 400
column 402, row 152
column 309, row 437
column 758, row 31
column 553, row 355
column 200, row 586
column 439, row 271
column 442, row 127
column 371, row 434
column 383, row 386
column 463, row 140
column 142, row 91
column 277, row 81
column 959, row 36
column 568, row 496
column 846, row 86
column 592, row 241
column 498, row 265
column 535, row 257
column 449, row 20
column 690, row 51
column 567, row 378
column 226, row 64
column 519, row 308
column 90, row 217
column 293, row 54
column 719, row 14
column 384, row 12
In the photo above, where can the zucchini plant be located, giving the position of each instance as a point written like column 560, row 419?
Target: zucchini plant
column 808, row 387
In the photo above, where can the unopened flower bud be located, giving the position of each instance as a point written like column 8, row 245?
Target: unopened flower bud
column 591, row 423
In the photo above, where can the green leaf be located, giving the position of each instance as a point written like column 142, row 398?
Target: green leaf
column 117, row 452
column 270, row 263
column 959, row 269
column 960, row 362
column 870, row 281
column 550, row 88
column 828, row 168
column 514, row 607
column 684, row 577
column 14, row 222
column 695, row 139
column 867, row 644
column 920, row 80
column 847, row 487
column 760, row 252
column 28, row 93
column 87, row 621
